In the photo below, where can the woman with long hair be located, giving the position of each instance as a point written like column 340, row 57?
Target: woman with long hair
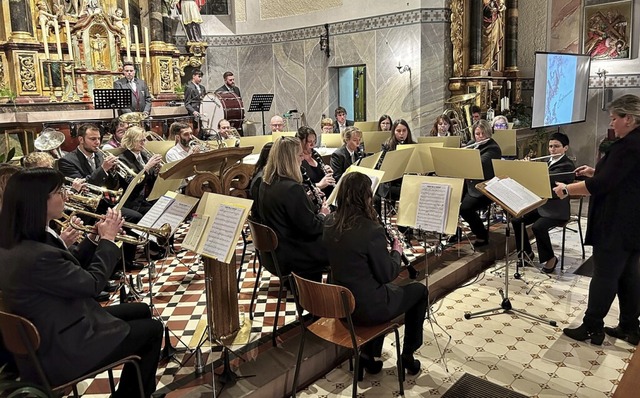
column 256, row 181
column 285, row 207
column 400, row 134
column 442, row 127
column 384, row 123
column 54, row 288
column 320, row 175
column 360, row 261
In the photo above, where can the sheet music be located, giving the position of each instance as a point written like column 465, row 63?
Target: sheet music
column 374, row 183
column 433, row 207
column 174, row 214
column 155, row 212
column 512, row 194
column 196, row 229
column 222, row 235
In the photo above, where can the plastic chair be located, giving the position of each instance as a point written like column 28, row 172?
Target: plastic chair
column 334, row 305
column 21, row 338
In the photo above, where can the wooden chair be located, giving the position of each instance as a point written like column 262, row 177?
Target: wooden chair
column 22, row 339
column 265, row 241
column 334, row 305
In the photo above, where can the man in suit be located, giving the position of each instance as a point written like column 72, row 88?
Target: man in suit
column 346, row 155
column 193, row 93
column 555, row 212
column 229, row 84
column 341, row 122
column 140, row 95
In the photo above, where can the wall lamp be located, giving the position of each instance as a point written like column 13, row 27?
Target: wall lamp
column 324, row 41
column 403, row 69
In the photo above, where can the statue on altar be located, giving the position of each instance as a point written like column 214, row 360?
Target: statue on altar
column 493, row 33
column 45, row 18
column 98, row 44
column 117, row 20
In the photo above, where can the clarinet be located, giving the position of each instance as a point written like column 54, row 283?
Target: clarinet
column 316, row 156
column 413, row 273
column 385, row 149
column 310, row 187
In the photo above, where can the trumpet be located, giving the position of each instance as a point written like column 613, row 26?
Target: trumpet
column 205, row 146
column 64, row 224
column 162, row 234
column 98, row 190
column 85, row 201
column 122, row 169
column 150, row 154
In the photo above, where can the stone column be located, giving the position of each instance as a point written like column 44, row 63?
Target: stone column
column 511, row 37
column 475, row 33
column 155, row 21
column 21, row 25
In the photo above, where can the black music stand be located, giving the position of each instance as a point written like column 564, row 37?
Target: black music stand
column 112, row 98
column 261, row 103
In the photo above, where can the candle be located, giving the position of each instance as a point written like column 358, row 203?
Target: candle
column 127, row 36
column 508, row 84
column 44, row 40
column 146, row 44
column 67, row 28
column 507, row 102
column 490, row 84
column 58, row 45
column 126, row 9
column 136, row 38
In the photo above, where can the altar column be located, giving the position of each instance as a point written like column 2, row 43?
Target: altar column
column 511, row 38
column 17, row 18
column 475, row 35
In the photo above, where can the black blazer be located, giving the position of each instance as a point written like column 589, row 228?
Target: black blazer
column 488, row 151
column 556, row 208
column 137, row 196
column 615, row 194
column 140, row 100
column 224, row 88
column 193, row 99
column 55, row 290
column 75, row 165
column 340, row 162
column 285, row 207
column 336, row 126
column 360, row 261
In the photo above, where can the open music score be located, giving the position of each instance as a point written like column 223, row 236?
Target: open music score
column 433, row 206
column 511, row 195
column 375, row 176
column 172, row 209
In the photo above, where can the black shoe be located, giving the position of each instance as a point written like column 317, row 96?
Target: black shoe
column 117, row 276
column 582, row 333
column 453, row 239
column 134, row 266
column 410, row 365
column 370, row 365
column 112, row 286
column 550, row 270
column 103, row 296
column 631, row 337
column 159, row 254
column 480, row 243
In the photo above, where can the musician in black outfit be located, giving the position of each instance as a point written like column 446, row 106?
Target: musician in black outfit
column 473, row 200
column 320, row 174
column 359, row 260
column 348, row 153
column 552, row 214
column 256, row 181
column 285, row 208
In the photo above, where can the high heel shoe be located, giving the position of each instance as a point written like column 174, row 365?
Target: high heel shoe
column 550, row 270
column 583, row 333
column 410, row 365
column 370, row 365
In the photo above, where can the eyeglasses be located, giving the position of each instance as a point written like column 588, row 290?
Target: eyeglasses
column 501, row 125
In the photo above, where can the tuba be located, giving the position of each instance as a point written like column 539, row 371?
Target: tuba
column 459, row 110
column 50, row 140
column 132, row 118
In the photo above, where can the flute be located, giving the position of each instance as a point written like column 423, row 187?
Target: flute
column 475, row 145
column 542, row 157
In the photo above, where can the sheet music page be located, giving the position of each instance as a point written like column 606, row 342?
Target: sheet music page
column 196, row 229
column 512, row 194
column 155, row 212
column 374, row 183
column 173, row 215
column 221, row 237
column 433, row 207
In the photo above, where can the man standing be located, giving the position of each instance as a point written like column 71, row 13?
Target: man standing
column 341, row 122
column 229, row 84
column 193, row 93
column 140, row 95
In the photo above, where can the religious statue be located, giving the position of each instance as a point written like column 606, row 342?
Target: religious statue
column 117, row 20
column 493, row 33
column 45, row 18
column 191, row 18
column 98, row 44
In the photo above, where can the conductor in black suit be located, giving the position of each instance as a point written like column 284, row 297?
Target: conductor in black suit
column 347, row 154
column 229, row 84
column 140, row 95
column 555, row 212
column 341, row 122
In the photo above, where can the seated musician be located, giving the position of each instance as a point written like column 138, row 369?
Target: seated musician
column 285, row 207
column 473, row 200
column 137, row 158
column 348, row 153
column 320, row 174
column 223, row 128
column 500, row 122
column 442, row 127
column 116, row 129
column 555, row 212
column 384, row 123
column 256, row 181
column 326, row 127
column 359, row 260
column 182, row 133
column 54, row 288
column 276, row 124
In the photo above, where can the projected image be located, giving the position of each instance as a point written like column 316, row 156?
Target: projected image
column 561, row 76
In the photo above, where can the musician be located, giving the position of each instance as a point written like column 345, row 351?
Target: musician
column 140, row 95
column 384, row 123
column 256, row 181
column 326, row 127
column 53, row 288
column 348, row 153
column 285, row 208
column 341, row 122
column 442, row 127
column 476, row 113
column 500, row 122
column 117, row 129
column 400, row 134
column 552, row 214
column 276, row 124
column 359, row 260
column 229, row 84
column 320, row 174
column 612, row 228
column 223, row 128
column 193, row 93
column 183, row 135
column 473, row 200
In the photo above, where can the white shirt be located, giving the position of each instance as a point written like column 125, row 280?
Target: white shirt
column 176, row 152
column 553, row 161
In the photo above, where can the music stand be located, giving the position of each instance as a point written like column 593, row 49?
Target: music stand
column 261, row 103
column 112, row 98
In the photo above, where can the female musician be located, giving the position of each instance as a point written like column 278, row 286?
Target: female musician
column 500, row 122
column 326, row 127
column 384, row 123
column 137, row 159
column 347, row 154
column 473, row 200
column 285, row 208
column 555, row 212
column 54, row 288
column 117, row 129
column 612, row 228
column 359, row 260
column 319, row 173
column 442, row 127
column 256, row 180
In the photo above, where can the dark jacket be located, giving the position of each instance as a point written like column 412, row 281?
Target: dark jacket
column 615, row 195
column 224, row 89
column 340, row 162
column 75, row 165
column 555, row 208
column 336, row 126
column 136, row 200
column 285, row 207
column 140, row 99
column 360, row 261
column 193, row 99
column 49, row 286
column 488, row 151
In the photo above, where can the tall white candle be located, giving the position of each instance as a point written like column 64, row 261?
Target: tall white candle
column 508, row 84
column 44, row 40
column 126, row 9
column 136, row 38
column 127, row 36
column 490, row 84
column 56, row 30
column 146, row 44
column 67, row 28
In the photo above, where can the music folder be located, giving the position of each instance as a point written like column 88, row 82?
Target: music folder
column 512, row 196
column 375, row 176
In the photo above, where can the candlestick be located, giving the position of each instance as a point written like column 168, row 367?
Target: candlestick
column 508, row 84
column 127, row 36
column 56, row 30
column 126, row 9
column 67, row 28
column 490, row 84
column 146, row 44
column 136, row 38
column 44, row 40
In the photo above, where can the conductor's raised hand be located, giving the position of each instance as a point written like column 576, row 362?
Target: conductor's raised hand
column 585, row 171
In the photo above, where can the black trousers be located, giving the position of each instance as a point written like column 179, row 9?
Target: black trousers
column 540, row 228
column 144, row 340
column 414, row 307
column 468, row 208
column 615, row 272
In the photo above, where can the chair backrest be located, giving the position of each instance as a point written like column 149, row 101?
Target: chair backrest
column 264, row 238
column 18, row 333
column 323, row 299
